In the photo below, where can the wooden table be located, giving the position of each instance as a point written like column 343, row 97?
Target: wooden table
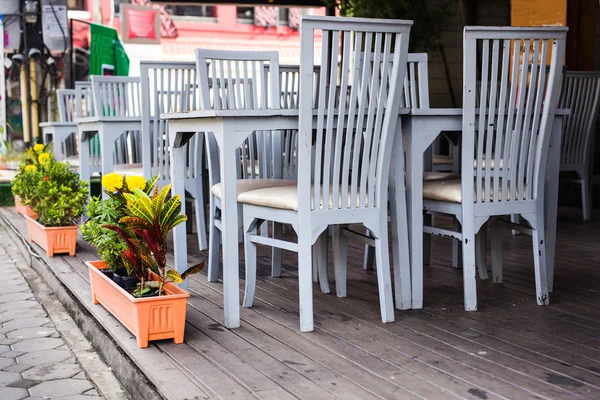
column 420, row 128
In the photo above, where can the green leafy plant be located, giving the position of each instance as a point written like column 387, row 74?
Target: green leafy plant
column 147, row 224
column 26, row 181
column 59, row 196
column 109, row 211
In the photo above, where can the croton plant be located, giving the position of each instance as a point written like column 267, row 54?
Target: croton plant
column 144, row 231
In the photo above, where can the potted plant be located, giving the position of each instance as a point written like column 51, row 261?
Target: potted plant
column 24, row 184
column 59, row 198
column 156, row 308
column 109, row 211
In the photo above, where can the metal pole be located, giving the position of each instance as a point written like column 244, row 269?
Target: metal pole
column 3, row 132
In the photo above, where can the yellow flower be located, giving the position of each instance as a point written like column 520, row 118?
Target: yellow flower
column 135, row 182
column 44, row 158
column 112, row 181
column 30, row 168
column 38, row 147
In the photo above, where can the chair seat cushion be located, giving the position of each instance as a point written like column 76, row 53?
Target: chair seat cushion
column 245, row 185
column 451, row 191
column 439, row 176
column 443, row 159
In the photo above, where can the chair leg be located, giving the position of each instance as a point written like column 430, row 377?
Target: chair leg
column 427, row 221
column 200, row 209
column 322, row 256
column 497, row 249
column 369, row 258
column 586, row 198
column 384, row 278
column 515, row 219
column 305, row 281
column 480, row 244
column 276, row 252
column 539, row 259
column 456, row 250
column 214, row 246
column 340, row 259
column 315, row 263
column 250, row 258
column 469, row 279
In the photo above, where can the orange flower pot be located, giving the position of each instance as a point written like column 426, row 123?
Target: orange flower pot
column 148, row 318
column 55, row 240
column 24, row 210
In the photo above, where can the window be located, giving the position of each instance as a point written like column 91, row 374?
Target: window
column 245, row 15
column 284, row 14
column 192, row 11
column 76, row 4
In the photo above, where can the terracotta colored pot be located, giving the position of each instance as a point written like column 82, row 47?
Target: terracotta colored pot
column 24, row 210
column 55, row 240
column 149, row 318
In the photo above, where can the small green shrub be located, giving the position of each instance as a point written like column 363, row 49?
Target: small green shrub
column 60, row 196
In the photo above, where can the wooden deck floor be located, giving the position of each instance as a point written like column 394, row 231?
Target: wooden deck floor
column 511, row 348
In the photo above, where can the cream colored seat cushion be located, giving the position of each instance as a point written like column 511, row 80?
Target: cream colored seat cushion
column 439, row 176
column 129, row 169
column 245, row 185
column 443, row 159
column 286, row 198
column 492, row 162
column 451, row 191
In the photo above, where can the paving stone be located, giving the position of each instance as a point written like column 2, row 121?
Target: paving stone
column 30, row 312
column 12, row 354
column 37, row 344
column 8, row 393
column 30, row 333
column 6, row 362
column 92, row 392
column 8, row 377
column 49, row 325
column 18, row 305
column 26, row 322
column 44, row 357
column 17, row 368
column 79, row 397
column 24, row 383
column 71, row 360
column 34, row 398
column 80, row 375
column 63, row 347
column 61, row 387
column 4, row 348
column 16, row 289
column 8, row 342
column 15, row 296
column 52, row 371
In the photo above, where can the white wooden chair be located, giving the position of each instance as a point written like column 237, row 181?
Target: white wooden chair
column 59, row 132
column 172, row 87
column 245, row 81
column 116, row 114
column 580, row 93
column 333, row 187
column 516, row 131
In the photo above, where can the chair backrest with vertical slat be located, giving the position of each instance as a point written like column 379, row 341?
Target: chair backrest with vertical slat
column 84, row 102
column 349, row 162
column 238, row 80
column 580, row 93
column 116, row 97
column 167, row 87
column 516, row 108
column 66, row 104
column 242, row 80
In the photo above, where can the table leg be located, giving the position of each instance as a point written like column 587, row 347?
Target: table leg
column 229, row 222
column 551, row 197
column 400, row 243
column 414, row 189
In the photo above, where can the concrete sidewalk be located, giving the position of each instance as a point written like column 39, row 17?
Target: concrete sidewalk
column 42, row 352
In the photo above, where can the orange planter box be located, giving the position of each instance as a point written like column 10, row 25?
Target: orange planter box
column 24, row 210
column 148, row 318
column 55, row 240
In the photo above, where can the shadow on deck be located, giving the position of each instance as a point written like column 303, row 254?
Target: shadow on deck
column 510, row 348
